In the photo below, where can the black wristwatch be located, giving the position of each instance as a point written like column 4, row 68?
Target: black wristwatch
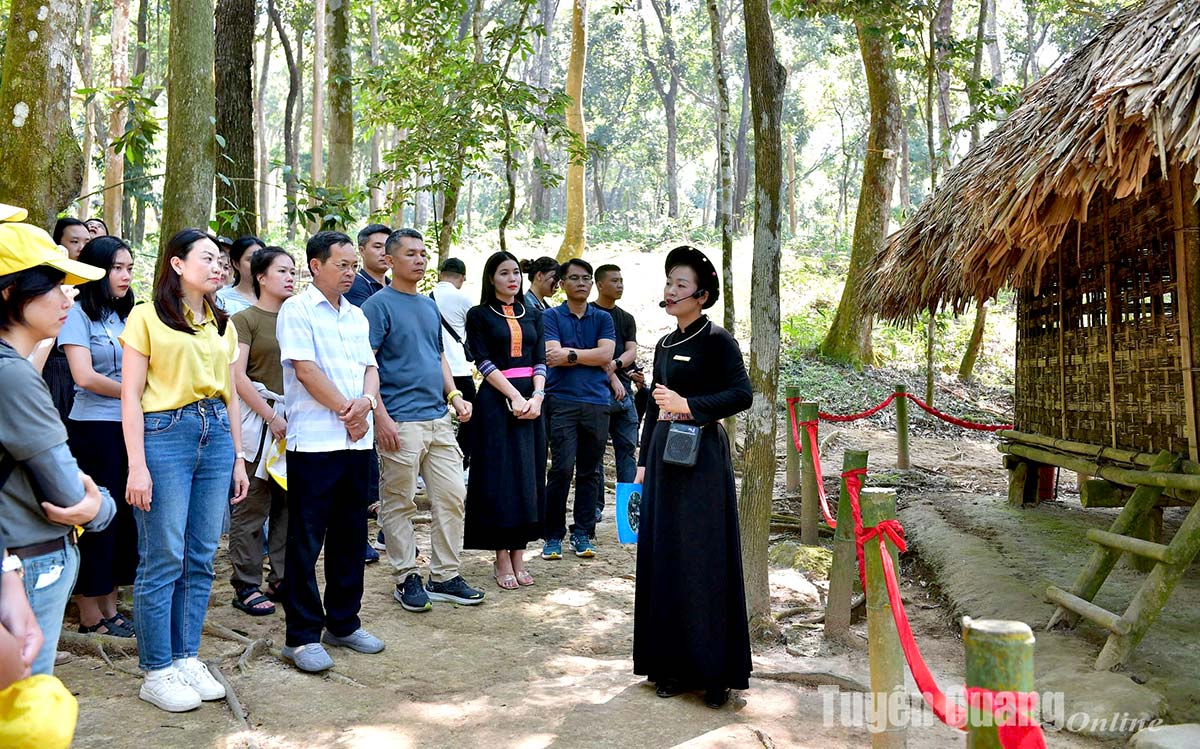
column 572, row 357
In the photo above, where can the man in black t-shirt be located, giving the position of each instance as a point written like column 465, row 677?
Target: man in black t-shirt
column 623, row 417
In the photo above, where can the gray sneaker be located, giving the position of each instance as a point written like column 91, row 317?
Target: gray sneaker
column 360, row 640
column 311, row 657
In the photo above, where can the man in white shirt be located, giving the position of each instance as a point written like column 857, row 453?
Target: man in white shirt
column 453, row 305
column 331, row 387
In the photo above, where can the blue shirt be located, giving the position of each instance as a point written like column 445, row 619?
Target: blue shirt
column 101, row 338
column 363, row 289
column 310, row 329
column 579, row 382
column 406, row 333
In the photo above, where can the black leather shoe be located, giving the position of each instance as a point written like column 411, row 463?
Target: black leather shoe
column 669, row 689
column 716, row 698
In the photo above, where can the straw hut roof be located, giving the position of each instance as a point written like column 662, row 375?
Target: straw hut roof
column 1129, row 96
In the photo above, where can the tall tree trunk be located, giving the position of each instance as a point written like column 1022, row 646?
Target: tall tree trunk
column 237, row 205
column 43, row 164
column 83, row 210
column 724, row 180
column 539, row 196
column 791, row 186
column 598, row 187
column 421, row 202
column 905, row 168
column 941, row 48
column 141, row 59
column 930, row 344
column 758, row 475
column 741, row 158
column 573, row 237
column 290, row 135
column 966, row 370
column 191, row 111
column 341, row 102
column 114, row 160
column 375, row 202
column 666, row 83
column 992, row 41
column 260, row 127
column 849, row 337
column 318, row 94
column 450, row 197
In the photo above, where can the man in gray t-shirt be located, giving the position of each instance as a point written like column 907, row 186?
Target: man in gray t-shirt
column 413, row 432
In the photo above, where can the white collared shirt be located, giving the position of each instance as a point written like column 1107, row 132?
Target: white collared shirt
column 338, row 342
column 453, row 305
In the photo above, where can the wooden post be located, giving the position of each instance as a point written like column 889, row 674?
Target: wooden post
column 901, row 427
column 883, row 642
column 1149, row 528
column 1000, row 659
column 810, row 507
column 793, row 456
column 843, row 573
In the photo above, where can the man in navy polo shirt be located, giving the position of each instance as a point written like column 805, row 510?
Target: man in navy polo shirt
column 580, row 340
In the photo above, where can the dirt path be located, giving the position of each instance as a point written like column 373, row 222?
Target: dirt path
column 546, row 666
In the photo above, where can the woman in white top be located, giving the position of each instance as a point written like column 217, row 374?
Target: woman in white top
column 234, row 299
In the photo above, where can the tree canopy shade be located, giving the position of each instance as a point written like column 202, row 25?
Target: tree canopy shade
column 43, row 164
column 236, row 209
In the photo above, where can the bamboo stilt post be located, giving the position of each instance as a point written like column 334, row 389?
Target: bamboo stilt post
column 1000, row 659
column 884, row 652
column 810, row 508
column 902, row 427
column 793, row 456
column 845, row 563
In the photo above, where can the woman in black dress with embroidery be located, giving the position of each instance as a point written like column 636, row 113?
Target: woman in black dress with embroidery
column 689, row 628
column 506, row 493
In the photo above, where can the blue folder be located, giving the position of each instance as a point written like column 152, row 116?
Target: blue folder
column 629, row 508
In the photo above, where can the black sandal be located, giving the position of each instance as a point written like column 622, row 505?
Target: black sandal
column 120, row 620
column 249, row 600
column 274, row 591
column 111, row 629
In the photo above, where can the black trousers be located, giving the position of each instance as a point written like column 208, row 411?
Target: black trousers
column 577, row 436
column 327, row 504
column 466, row 384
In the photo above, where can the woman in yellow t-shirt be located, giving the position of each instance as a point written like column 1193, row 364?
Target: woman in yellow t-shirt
column 183, row 433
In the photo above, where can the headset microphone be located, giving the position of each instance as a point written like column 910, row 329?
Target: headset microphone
column 694, row 295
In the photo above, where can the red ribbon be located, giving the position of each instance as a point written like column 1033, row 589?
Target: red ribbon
column 887, row 401
column 853, row 479
column 1017, row 730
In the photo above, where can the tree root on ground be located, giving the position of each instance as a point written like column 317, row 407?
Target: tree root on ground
column 82, row 644
column 857, row 601
column 225, row 633
column 235, row 705
column 813, row 679
column 764, row 739
column 253, row 650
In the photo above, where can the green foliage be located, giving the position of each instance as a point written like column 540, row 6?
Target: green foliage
column 454, row 95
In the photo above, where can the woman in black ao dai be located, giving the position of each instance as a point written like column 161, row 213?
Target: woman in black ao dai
column 690, row 628
column 506, row 493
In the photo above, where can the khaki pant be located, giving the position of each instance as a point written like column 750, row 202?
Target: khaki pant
column 428, row 449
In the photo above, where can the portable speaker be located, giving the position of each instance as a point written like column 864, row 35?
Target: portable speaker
column 683, row 445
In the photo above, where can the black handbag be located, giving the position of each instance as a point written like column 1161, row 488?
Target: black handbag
column 683, row 445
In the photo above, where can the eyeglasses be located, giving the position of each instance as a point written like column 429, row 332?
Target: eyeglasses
column 579, row 279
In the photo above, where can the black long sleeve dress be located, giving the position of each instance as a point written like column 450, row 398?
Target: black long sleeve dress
column 506, row 493
column 690, row 607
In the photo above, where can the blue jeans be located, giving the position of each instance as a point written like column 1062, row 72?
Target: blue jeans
column 623, row 430
column 189, row 453
column 49, row 601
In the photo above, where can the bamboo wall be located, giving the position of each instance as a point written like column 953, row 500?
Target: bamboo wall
column 1101, row 345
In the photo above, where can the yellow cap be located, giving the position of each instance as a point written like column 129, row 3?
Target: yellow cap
column 24, row 246
column 12, row 213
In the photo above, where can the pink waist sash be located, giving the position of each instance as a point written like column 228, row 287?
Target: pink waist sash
column 517, row 372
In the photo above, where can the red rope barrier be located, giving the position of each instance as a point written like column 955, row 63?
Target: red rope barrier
column 965, row 424
column 955, row 421
column 1017, row 726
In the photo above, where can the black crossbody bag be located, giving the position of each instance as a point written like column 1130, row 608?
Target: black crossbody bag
column 453, row 333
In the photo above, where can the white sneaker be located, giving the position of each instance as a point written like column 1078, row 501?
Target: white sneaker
column 164, row 689
column 195, row 674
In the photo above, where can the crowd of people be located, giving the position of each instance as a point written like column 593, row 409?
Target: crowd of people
column 285, row 415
